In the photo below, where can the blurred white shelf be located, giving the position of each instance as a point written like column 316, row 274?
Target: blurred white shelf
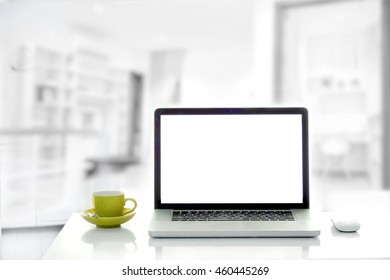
column 45, row 131
column 63, row 103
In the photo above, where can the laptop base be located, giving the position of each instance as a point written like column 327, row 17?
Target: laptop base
column 303, row 226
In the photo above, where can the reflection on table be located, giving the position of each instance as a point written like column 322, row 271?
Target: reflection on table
column 232, row 248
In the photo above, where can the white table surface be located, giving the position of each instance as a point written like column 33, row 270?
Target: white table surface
column 81, row 240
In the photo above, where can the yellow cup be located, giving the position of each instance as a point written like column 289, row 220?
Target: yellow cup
column 111, row 203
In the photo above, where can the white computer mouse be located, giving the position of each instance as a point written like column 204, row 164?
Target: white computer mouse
column 346, row 224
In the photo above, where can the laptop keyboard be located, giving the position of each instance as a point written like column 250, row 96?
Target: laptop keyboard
column 232, row 215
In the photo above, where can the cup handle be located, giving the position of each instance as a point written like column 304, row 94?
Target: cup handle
column 132, row 209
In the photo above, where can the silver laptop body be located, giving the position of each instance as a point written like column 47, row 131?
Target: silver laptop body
column 249, row 163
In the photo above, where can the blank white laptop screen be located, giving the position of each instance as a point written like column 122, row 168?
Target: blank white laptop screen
column 231, row 158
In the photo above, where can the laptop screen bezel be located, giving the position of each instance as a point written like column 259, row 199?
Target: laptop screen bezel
column 230, row 111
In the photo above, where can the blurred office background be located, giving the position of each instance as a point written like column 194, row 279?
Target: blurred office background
column 79, row 81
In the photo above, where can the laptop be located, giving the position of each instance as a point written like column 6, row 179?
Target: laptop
column 231, row 172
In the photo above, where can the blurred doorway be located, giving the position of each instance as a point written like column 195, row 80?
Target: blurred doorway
column 328, row 59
